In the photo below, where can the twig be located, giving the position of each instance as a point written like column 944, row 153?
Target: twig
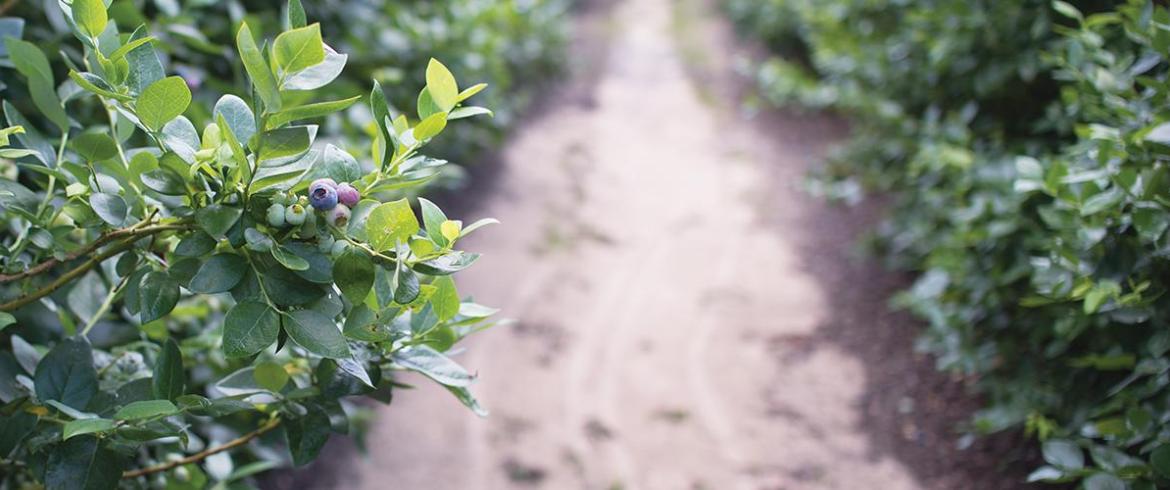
column 86, row 266
column 48, row 264
column 8, row 6
column 200, row 456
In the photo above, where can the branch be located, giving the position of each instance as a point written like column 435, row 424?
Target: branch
column 200, row 456
column 86, row 250
column 86, row 266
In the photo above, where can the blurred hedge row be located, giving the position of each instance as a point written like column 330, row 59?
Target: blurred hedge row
column 1026, row 143
column 513, row 45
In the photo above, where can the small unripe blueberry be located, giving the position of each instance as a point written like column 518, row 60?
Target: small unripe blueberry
column 295, row 214
column 338, row 216
column 339, row 247
column 323, row 194
column 325, row 243
column 348, row 195
column 279, row 198
column 276, row 215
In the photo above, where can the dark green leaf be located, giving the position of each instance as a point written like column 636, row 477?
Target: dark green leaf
column 219, row 274
column 146, row 409
column 248, row 328
column 157, row 296
column 111, row 208
column 86, row 426
column 66, row 374
column 307, row 435
column 82, row 463
column 170, row 380
column 316, row 333
column 354, row 274
column 217, row 219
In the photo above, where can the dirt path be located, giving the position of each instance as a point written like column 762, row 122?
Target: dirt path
column 687, row 316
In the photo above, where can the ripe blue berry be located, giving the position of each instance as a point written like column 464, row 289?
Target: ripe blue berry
column 323, row 194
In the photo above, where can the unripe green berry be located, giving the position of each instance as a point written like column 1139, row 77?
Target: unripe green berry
column 325, row 243
column 339, row 247
column 276, row 215
column 295, row 214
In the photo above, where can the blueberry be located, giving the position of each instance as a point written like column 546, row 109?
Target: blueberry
column 339, row 247
column 295, row 214
column 276, row 215
column 338, row 216
column 323, row 194
column 348, row 195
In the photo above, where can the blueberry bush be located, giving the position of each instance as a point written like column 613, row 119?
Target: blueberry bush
column 193, row 287
column 1026, row 146
column 513, row 45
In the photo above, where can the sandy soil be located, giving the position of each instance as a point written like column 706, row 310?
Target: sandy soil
column 687, row 317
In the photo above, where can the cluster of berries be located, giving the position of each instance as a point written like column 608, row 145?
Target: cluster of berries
column 325, row 195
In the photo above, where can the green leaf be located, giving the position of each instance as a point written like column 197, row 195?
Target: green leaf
column 270, row 376
column 445, row 299
column 469, row 111
column 90, row 17
column 158, row 294
column 82, row 463
column 31, row 62
column 407, row 289
column 217, row 219
column 316, row 333
column 257, row 69
column 66, row 373
column 85, row 426
column 238, row 115
column 170, row 380
column 1104, row 481
column 431, row 126
column 248, row 328
column 146, row 409
column 309, row 111
column 470, row 91
column 162, row 101
column 307, row 435
column 354, row 275
column 433, row 219
column 6, row 319
column 1063, row 454
column 434, row 365
column 295, row 14
column 95, row 147
column 1067, row 10
column 219, row 274
column 1160, row 460
column 286, row 142
column 441, row 85
column 109, row 207
column 197, row 244
column 164, row 181
column 288, row 259
column 390, row 223
column 297, row 49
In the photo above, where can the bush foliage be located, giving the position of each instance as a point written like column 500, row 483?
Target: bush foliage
column 513, row 45
column 192, row 285
column 1026, row 143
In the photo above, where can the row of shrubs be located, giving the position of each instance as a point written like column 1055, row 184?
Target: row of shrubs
column 1026, row 145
